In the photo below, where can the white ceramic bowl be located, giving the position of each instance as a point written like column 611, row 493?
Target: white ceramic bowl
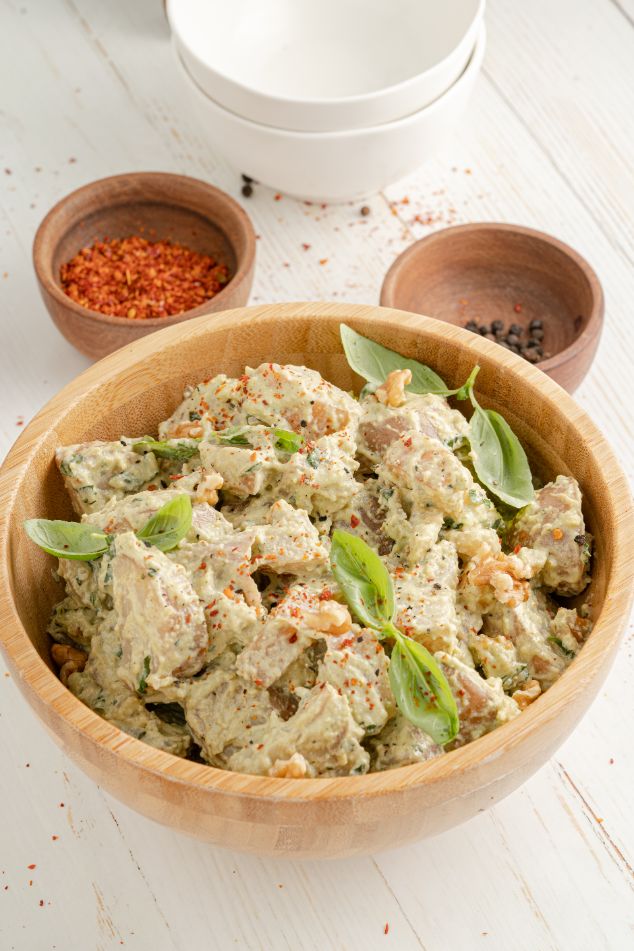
column 336, row 166
column 326, row 66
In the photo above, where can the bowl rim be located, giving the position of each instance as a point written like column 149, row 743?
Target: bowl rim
column 310, row 103
column 594, row 324
column 45, row 274
column 40, row 682
column 468, row 74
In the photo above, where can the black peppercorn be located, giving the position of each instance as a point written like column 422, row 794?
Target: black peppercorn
column 516, row 329
column 513, row 339
column 497, row 326
column 535, row 325
column 247, row 190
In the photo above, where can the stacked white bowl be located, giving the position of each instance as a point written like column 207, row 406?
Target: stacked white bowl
column 328, row 100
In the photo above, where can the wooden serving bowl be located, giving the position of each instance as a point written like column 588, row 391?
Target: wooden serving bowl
column 129, row 392
column 157, row 206
column 482, row 271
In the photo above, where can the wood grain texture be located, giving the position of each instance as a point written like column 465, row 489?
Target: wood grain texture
column 135, row 388
column 539, row 866
column 485, row 271
column 158, row 206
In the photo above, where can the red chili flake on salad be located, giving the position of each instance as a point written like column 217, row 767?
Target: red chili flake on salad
column 140, row 279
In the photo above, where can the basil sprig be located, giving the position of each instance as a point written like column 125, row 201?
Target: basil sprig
column 419, row 686
column 80, row 541
column 181, row 451
column 499, row 460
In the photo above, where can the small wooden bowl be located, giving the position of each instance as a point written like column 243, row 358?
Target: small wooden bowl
column 158, row 206
column 483, row 271
column 130, row 392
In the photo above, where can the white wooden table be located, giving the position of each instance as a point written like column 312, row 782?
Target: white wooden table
column 87, row 90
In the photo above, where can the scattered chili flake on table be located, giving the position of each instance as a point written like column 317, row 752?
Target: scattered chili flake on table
column 140, row 279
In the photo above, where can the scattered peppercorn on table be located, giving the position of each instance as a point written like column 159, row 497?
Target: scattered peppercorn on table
column 551, row 865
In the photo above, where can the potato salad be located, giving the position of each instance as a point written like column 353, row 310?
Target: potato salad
column 288, row 580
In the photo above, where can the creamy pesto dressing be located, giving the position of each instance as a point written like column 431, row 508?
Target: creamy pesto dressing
column 226, row 645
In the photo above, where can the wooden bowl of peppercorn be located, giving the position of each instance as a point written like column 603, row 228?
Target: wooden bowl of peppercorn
column 525, row 290
column 130, row 254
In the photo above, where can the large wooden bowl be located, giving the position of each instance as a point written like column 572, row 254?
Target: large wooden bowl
column 158, row 206
column 129, row 392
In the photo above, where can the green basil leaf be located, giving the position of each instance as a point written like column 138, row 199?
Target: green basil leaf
column 499, row 460
column 143, row 678
column 77, row 541
column 181, row 451
column 363, row 579
column 169, row 525
column 421, row 690
column 231, row 437
column 374, row 362
column 287, row 441
column 562, row 647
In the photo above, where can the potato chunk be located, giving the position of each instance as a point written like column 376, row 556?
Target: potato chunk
column 323, row 731
column 160, row 619
column 96, row 472
column 401, row 743
column 554, row 522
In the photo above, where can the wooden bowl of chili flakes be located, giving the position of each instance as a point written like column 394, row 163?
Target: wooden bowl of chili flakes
column 130, row 254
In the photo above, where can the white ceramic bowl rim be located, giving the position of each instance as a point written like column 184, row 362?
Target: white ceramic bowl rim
column 357, row 99
column 472, row 66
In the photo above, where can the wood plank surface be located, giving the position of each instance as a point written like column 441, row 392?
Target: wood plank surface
column 89, row 89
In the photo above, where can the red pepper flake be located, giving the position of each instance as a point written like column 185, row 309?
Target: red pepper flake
column 323, row 260
column 305, row 246
column 387, row 927
column 517, row 549
column 518, row 308
column 408, row 442
column 292, row 639
column 41, row 902
column 54, row 838
column 32, row 866
column 139, row 279
column 611, row 760
column 354, row 521
column 277, row 197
